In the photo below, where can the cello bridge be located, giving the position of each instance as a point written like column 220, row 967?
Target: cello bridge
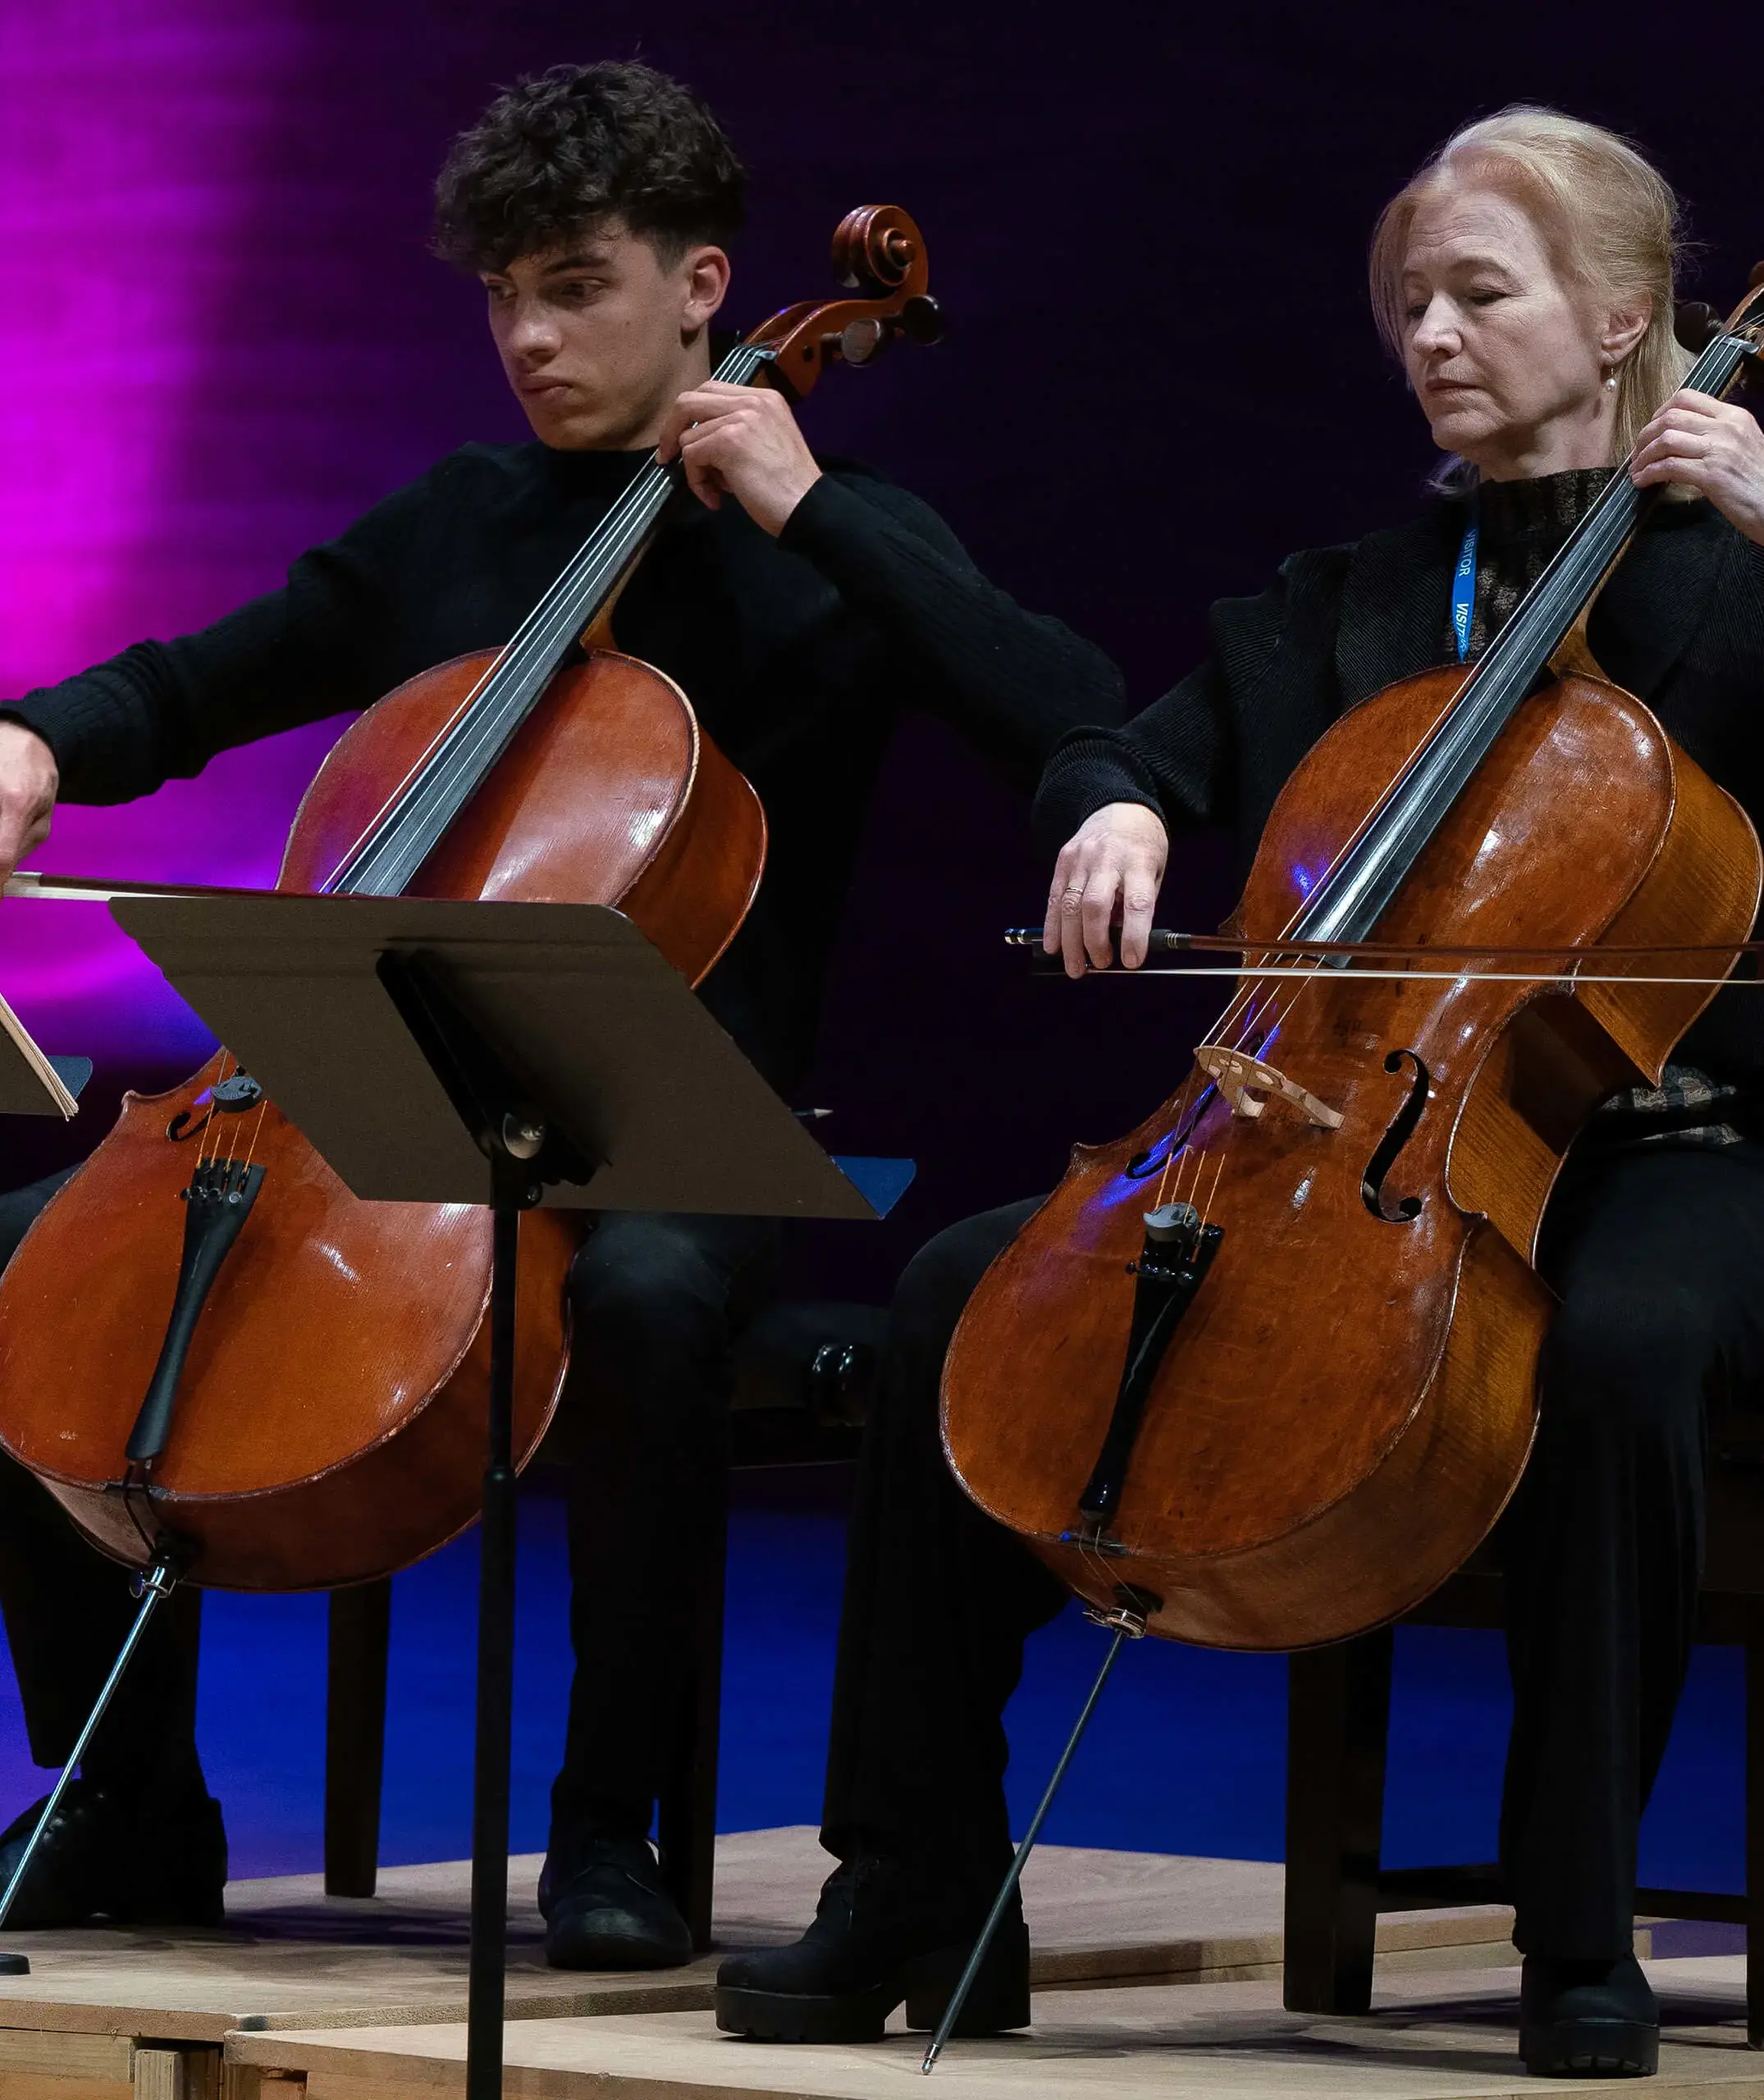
column 1246, row 1082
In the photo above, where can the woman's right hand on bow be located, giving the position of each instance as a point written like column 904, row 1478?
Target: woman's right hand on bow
column 1109, row 872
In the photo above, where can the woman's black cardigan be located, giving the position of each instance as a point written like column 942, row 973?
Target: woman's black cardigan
column 1680, row 625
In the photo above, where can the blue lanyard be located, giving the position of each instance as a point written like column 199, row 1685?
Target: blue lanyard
column 1464, row 587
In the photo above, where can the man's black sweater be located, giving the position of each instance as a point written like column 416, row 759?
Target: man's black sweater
column 796, row 656
column 1680, row 625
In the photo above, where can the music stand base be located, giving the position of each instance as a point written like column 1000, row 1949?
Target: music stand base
column 510, row 1179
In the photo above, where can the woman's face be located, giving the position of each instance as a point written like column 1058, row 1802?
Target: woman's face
column 1507, row 361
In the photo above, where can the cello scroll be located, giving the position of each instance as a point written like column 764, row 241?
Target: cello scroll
column 879, row 253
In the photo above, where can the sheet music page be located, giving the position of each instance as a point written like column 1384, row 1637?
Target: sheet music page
column 30, row 1085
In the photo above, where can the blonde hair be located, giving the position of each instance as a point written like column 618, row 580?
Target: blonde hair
column 1609, row 218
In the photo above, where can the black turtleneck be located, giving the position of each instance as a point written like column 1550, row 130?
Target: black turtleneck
column 1680, row 624
column 796, row 654
column 1521, row 526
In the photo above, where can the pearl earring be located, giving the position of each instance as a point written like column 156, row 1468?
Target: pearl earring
column 1610, row 376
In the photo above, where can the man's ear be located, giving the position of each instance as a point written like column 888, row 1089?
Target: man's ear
column 705, row 274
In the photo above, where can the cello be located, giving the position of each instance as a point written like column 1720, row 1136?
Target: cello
column 315, row 1368
column 1262, row 1374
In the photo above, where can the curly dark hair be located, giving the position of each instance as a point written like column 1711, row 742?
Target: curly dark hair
column 578, row 145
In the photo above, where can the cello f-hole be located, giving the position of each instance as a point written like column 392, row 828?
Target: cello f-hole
column 1406, row 1208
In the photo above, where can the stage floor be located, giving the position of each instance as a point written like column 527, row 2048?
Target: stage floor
column 101, row 2009
column 1448, row 2036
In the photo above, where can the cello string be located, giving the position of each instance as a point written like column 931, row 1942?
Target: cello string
column 516, row 662
column 1504, row 673
column 1206, row 1208
column 484, row 718
column 1186, row 1101
column 209, row 1132
column 1190, row 1170
column 502, row 699
column 1243, row 1003
column 1240, row 1011
column 506, row 656
column 1169, row 1157
column 1547, row 609
column 256, row 1131
column 202, row 1135
column 482, row 727
column 1185, row 1106
column 518, row 655
column 562, row 613
column 1454, row 730
column 231, row 1122
column 1283, row 1013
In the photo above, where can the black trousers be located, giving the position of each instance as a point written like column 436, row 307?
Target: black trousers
column 67, row 1609
column 655, row 1302
column 1658, row 1257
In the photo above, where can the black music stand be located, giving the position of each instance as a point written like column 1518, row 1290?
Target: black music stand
column 440, row 1052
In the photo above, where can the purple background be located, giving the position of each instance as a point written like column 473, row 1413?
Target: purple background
column 220, row 339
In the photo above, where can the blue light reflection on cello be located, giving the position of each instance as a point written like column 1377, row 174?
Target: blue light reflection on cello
column 1143, row 1166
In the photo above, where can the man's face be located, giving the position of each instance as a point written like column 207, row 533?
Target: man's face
column 598, row 336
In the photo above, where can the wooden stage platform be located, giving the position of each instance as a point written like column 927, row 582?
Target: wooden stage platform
column 190, row 2017
column 1445, row 2036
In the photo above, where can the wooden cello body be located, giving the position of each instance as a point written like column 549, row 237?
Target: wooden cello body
column 330, row 1413
column 1349, row 1402
column 1262, row 1374
column 290, row 1363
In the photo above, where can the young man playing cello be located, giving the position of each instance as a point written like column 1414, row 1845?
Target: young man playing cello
column 798, row 605
column 1525, row 277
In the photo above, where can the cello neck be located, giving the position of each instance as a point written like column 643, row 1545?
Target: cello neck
column 1346, row 903
column 390, row 852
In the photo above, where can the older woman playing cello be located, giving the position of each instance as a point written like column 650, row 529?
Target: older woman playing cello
column 1525, row 279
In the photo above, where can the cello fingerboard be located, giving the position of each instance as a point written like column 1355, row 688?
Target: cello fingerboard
column 1345, row 904
column 416, row 818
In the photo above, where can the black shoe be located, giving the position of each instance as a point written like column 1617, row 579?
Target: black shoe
column 1588, row 2018
column 139, row 1862
column 885, row 1932
column 604, row 1907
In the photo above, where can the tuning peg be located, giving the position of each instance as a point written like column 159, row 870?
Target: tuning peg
column 859, row 341
column 921, row 320
column 1696, row 324
column 1757, row 278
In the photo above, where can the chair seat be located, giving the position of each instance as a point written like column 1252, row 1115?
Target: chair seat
column 803, row 1371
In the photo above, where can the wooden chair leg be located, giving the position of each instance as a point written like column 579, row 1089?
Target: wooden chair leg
column 1754, row 1743
column 361, row 1620
column 1337, row 1723
column 686, row 1808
